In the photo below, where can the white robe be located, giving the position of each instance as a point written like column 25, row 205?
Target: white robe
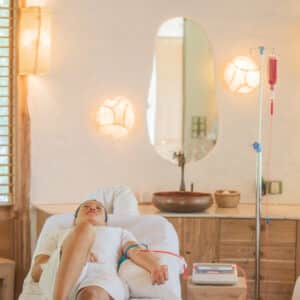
column 107, row 248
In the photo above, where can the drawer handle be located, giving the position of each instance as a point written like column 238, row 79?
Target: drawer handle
column 252, row 227
column 262, row 227
column 188, row 252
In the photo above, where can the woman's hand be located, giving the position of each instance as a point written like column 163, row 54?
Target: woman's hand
column 148, row 261
column 92, row 258
column 159, row 274
column 37, row 268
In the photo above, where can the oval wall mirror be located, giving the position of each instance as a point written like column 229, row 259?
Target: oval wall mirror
column 182, row 112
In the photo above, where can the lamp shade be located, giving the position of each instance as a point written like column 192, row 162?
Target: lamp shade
column 116, row 117
column 34, row 40
column 242, row 75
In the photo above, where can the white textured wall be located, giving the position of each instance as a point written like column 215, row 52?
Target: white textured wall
column 104, row 48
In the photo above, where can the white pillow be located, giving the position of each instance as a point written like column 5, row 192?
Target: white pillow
column 139, row 280
column 117, row 199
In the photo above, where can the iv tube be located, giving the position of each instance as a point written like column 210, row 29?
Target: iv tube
column 272, row 71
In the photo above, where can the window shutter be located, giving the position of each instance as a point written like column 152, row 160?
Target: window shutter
column 7, row 95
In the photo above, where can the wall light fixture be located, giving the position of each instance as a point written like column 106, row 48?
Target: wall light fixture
column 242, row 75
column 116, row 117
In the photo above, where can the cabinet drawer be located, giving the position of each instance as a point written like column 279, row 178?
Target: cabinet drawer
column 237, row 230
column 273, row 270
column 274, row 290
column 271, row 290
column 237, row 250
column 276, row 270
column 201, row 239
column 278, row 252
column 279, row 232
column 271, row 296
column 248, row 249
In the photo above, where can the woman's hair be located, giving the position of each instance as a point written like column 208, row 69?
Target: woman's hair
column 78, row 208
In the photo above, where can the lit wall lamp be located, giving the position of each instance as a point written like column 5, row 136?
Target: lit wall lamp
column 242, row 75
column 116, row 117
column 34, row 40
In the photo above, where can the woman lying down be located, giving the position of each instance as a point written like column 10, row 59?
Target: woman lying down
column 84, row 265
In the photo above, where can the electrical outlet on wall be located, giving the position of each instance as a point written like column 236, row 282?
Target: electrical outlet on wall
column 273, row 187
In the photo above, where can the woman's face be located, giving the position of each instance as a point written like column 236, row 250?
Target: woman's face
column 91, row 211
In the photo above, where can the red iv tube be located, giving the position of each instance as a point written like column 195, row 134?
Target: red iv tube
column 272, row 107
column 272, row 79
column 272, row 71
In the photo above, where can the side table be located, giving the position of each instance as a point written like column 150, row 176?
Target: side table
column 217, row 292
column 7, row 276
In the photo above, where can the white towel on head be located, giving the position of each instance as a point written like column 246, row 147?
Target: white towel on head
column 116, row 199
column 93, row 197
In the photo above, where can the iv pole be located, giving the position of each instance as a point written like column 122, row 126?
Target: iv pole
column 258, row 148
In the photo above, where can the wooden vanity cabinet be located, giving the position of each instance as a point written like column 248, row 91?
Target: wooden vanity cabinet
column 237, row 245
column 278, row 259
column 233, row 241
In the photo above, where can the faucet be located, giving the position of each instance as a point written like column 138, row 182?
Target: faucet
column 181, row 163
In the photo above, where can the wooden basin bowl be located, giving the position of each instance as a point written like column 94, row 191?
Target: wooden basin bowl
column 182, row 202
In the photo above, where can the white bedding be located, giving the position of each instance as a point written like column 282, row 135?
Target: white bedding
column 155, row 231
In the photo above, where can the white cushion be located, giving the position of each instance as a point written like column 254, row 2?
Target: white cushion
column 158, row 234
column 139, row 280
column 117, row 199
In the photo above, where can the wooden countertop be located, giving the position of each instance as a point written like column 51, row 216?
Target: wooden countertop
column 244, row 210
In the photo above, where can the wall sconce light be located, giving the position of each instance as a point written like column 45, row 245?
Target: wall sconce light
column 116, row 117
column 242, row 75
column 34, row 40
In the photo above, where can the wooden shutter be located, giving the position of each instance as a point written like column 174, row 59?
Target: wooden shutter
column 7, row 96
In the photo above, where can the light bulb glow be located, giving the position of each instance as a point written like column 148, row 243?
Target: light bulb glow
column 35, row 40
column 116, row 117
column 242, row 75
column 28, row 37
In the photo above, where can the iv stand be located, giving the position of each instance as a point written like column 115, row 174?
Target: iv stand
column 258, row 148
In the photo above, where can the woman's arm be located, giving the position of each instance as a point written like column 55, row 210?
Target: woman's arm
column 148, row 261
column 36, row 268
